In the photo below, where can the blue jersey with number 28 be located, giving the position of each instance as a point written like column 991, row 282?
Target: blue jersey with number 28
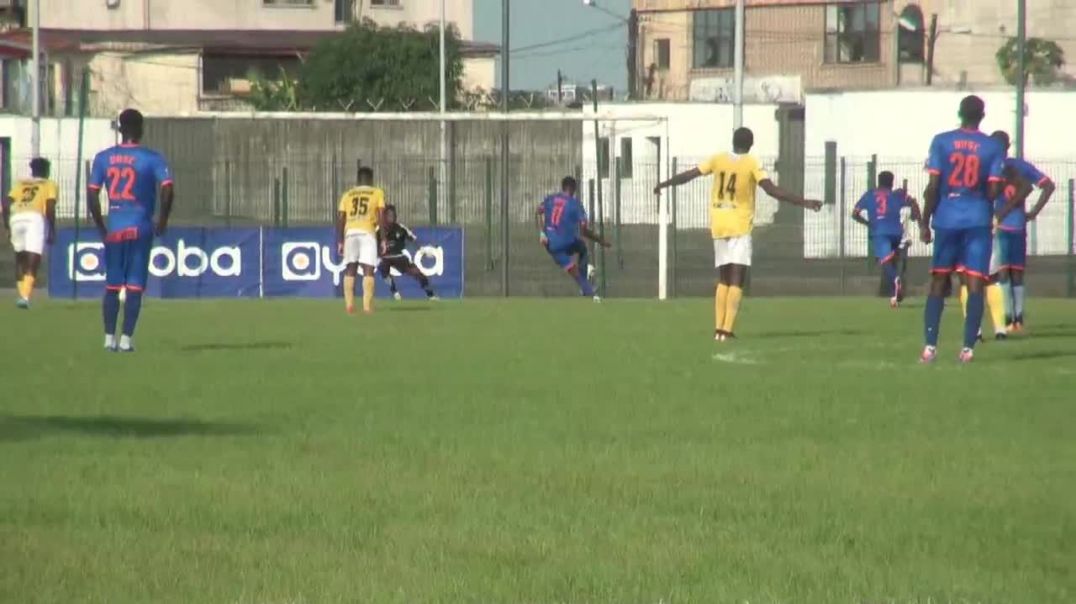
column 563, row 216
column 966, row 161
column 131, row 175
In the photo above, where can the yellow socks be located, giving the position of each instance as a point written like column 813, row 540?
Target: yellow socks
column 20, row 286
column 720, row 301
column 964, row 300
column 732, row 306
column 995, row 301
column 368, row 294
column 349, row 292
column 28, row 285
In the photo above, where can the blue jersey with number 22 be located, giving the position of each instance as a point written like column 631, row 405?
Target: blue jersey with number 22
column 966, row 161
column 563, row 215
column 131, row 176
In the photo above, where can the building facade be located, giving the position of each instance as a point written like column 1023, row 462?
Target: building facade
column 178, row 58
column 686, row 47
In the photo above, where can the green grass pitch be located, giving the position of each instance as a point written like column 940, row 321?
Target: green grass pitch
column 534, row 451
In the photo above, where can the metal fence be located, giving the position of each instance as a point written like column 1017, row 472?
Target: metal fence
column 796, row 253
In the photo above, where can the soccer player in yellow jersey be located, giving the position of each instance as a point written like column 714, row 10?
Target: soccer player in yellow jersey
column 732, row 217
column 28, row 207
column 359, row 214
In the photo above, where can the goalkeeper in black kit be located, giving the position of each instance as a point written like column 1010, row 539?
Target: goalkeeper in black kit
column 392, row 240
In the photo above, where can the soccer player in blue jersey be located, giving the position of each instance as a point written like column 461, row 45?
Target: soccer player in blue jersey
column 562, row 221
column 1012, row 234
column 965, row 167
column 883, row 206
column 134, row 178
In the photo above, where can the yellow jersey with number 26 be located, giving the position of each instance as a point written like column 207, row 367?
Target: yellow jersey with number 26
column 32, row 195
column 360, row 206
column 732, row 200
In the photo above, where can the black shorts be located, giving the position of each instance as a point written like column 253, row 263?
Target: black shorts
column 400, row 263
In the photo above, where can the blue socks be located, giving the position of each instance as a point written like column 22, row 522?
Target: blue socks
column 584, row 285
column 110, row 310
column 131, row 307
column 974, row 320
column 890, row 270
column 933, row 314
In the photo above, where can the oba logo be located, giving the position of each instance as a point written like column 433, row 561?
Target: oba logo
column 86, row 261
column 305, row 261
column 429, row 259
column 193, row 261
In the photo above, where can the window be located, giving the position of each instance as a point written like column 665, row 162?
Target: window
column 226, row 74
column 603, row 157
column 344, row 11
column 286, row 3
column 392, row 3
column 626, row 162
column 714, row 38
column 911, row 38
column 852, row 33
column 661, row 53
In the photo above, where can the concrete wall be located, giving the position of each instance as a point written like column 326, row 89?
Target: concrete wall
column 480, row 73
column 421, row 13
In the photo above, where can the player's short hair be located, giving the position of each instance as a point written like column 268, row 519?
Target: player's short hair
column 569, row 182
column 40, row 167
column 390, row 208
column 885, row 180
column 366, row 174
column 131, row 123
column 972, row 109
column 1001, row 137
column 743, row 139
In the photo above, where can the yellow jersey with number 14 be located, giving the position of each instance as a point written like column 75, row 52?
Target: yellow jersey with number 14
column 32, row 195
column 360, row 207
column 732, row 200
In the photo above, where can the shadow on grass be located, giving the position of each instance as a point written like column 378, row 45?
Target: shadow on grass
column 408, row 308
column 23, row 427
column 230, row 346
column 1044, row 355
column 810, row 333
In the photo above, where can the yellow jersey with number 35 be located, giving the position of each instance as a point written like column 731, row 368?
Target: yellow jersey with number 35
column 32, row 195
column 732, row 199
column 360, row 207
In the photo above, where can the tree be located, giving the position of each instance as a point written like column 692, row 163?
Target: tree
column 1044, row 60
column 370, row 67
column 273, row 95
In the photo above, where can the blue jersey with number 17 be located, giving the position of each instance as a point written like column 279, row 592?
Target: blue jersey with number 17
column 563, row 216
column 131, row 175
column 966, row 161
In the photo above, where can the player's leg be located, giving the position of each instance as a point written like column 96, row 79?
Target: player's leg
column 384, row 271
column 29, row 277
column 995, row 298
column 736, row 277
column 578, row 268
column 416, row 273
column 946, row 254
column 886, row 250
column 1017, row 261
column 137, row 277
column 903, row 262
column 976, row 244
column 20, row 277
column 115, row 276
column 367, row 262
column 32, row 251
column 351, row 269
column 721, row 292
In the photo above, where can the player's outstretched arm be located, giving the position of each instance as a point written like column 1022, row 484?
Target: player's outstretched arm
column 917, row 214
column 782, row 195
column 539, row 223
column 679, row 179
column 168, row 196
column 591, row 235
column 1046, row 191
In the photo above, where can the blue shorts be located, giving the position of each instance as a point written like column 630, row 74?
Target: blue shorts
column 885, row 247
column 564, row 253
column 963, row 250
column 127, row 259
column 1013, row 250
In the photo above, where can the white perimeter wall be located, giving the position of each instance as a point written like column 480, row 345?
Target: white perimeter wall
column 899, row 125
column 59, row 144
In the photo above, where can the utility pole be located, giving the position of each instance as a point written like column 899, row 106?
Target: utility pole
column 443, row 188
column 633, row 54
column 737, row 96
column 505, row 91
column 1021, row 73
column 35, row 78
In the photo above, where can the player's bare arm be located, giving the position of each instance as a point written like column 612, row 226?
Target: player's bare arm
column 585, row 231
column 50, row 217
column 341, row 220
column 930, row 200
column 680, row 179
column 539, row 221
column 1023, row 190
column 93, row 202
column 782, row 195
column 917, row 214
column 1046, row 191
column 168, row 195
column 857, row 215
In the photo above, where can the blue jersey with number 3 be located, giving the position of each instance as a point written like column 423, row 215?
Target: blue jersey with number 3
column 883, row 208
column 563, row 216
column 131, row 176
column 965, row 161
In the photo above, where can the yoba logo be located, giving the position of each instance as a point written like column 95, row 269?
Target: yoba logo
column 304, row 261
column 429, row 259
column 86, row 261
